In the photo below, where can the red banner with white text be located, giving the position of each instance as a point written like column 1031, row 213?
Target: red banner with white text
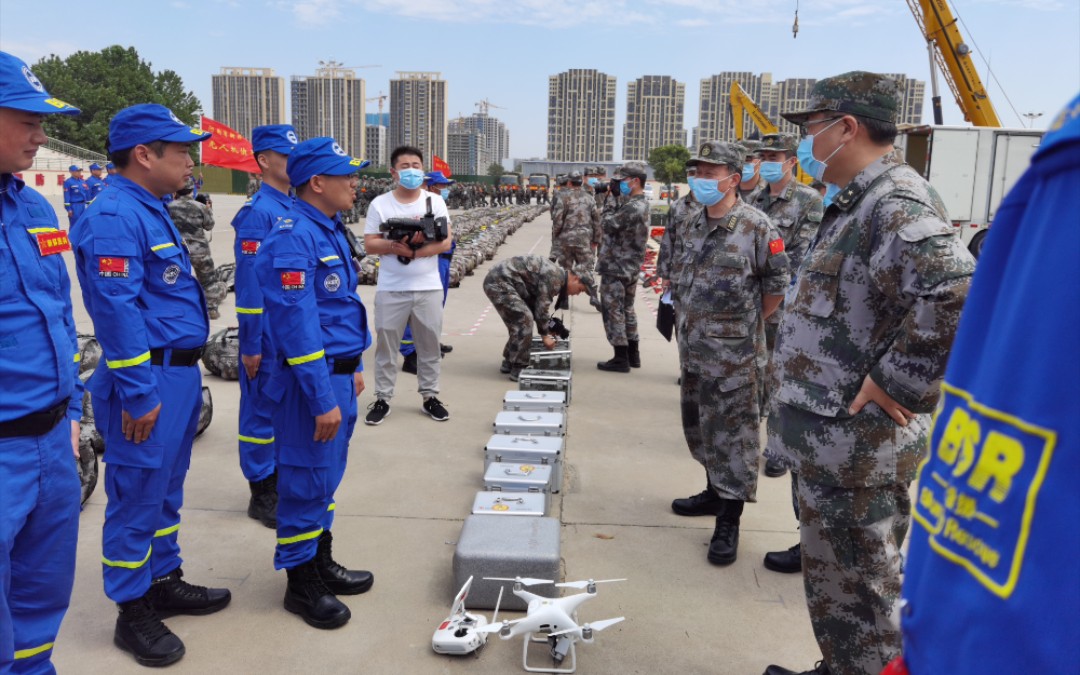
column 227, row 148
column 437, row 164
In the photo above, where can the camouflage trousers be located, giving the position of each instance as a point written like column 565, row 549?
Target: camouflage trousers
column 851, row 539
column 722, row 430
column 203, row 265
column 518, row 319
column 574, row 254
column 617, row 307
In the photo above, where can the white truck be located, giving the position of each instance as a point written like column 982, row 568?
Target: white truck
column 972, row 168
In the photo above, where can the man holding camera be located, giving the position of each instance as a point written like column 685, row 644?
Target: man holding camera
column 409, row 290
column 522, row 289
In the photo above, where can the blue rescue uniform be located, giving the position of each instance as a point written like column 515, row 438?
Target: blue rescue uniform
column 40, row 392
column 256, row 430
column 318, row 325
column 95, row 185
column 76, row 198
column 150, row 318
column 991, row 582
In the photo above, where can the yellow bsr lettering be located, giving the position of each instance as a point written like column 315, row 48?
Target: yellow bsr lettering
column 997, row 460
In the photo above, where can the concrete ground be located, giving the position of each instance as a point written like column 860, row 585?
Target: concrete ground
column 410, row 484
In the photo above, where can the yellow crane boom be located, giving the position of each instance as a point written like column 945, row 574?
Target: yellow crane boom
column 953, row 56
column 741, row 102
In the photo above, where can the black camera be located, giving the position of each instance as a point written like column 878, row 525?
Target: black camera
column 433, row 229
column 555, row 327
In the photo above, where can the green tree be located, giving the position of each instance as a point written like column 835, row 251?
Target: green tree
column 495, row 170
column 102, row 83
column 669, row 163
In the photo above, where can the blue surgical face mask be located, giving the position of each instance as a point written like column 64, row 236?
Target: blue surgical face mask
column 811, row 165
column 593, row 181
column 830, row 193
column 410, row 179
column 772, row 172
column 444, row 193
column 624, row 188
column 706, row 190
column 747, row 172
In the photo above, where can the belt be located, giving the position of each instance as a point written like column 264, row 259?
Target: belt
column 177, row 357
column 343, row 365
column 36, row 423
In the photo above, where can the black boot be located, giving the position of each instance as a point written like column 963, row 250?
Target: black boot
column 505, row 367
column 724, row 545
column 339, row 580
column 263, row 503
column 705, row 503
column 632, row 353
column 308, row 596
column 774, row 469
column 171, row 595
column 785, row 562
column 140, row 632
column 409, row 364
column 618, row 364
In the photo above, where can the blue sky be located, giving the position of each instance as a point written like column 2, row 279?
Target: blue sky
column 504, row 50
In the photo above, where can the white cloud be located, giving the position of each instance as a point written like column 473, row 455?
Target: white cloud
column 314, row 12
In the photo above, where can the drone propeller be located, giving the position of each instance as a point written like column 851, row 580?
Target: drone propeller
column 496, row 627
column 585, row 584
column 524, row 581
column 588, row 628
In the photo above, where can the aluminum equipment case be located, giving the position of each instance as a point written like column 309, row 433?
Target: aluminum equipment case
column 513, row 479
column 550, row 360
column 529, row 423
column 509, row 504
column 496, row 546
column 546, row 450
column 535, row 379
column 538, row 344
column 536, row 401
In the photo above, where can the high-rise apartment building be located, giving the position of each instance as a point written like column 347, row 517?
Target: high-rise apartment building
column 245, row 98
column 913, row 95
column 378, row 150
column 467, row 148
column 418, row 113
column 581, row 116
column 330, row 103
column 714, row 111
column 654, row 115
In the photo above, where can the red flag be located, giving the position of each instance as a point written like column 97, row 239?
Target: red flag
column 226, row 148
column 437, row 164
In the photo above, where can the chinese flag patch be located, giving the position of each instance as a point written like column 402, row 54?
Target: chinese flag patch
column 292, row 281
column 53, row 242
column 113, row 267
column 249, row 246
column 776, row 246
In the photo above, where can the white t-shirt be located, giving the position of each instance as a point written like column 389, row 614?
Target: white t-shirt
column 421, row 274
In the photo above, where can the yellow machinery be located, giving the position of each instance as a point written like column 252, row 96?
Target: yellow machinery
column 741, row 102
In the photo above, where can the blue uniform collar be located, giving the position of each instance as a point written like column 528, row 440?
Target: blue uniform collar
column 139, row 192
column 316, row 215
column 275, row 194
column 9, row 181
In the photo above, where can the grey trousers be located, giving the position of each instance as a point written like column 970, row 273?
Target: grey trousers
column 423, row 311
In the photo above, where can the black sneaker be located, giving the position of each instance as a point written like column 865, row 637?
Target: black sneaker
column 377, row 412
column 435, row 409
column 446, row 349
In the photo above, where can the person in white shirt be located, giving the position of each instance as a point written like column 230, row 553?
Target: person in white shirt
column 409, row 290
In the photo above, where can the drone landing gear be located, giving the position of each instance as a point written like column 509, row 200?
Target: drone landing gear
column 572, row 652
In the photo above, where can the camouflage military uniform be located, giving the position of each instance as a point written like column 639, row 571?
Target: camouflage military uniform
column 673, row 244
column 729, row 264
column 879, row 295
column 522, row 289
column 622, row 250
column 194, row 220
column 576, row 228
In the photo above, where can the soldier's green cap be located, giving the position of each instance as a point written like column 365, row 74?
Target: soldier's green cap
column 631, row 170
column 779, row 143
column 751, row 147
column 719, row 152
column 574, row 177
column 582, row 272
column 856, row 93
column 597, row 170
column 562, row 179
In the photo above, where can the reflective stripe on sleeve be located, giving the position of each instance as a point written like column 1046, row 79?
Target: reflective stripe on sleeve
column 129, row 565
column 300, row 537
column 38, row 230
column 306, row 359
column 257, row 441
column 78, row 358
column 249, row 310
column 161, row 246
column 33, row 651
column 332, row 507
column 127, row 363
column 330, row 257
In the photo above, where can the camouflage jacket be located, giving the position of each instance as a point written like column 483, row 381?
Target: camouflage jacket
column 750, row 195
column 622, row 247
column 577, row 217
column 672, row 244
column 880, row 294
column 534, row 279
column 796, row 213
column 728, row 266
column 192, row 218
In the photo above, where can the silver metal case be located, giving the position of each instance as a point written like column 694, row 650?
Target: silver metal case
column 545, row 450
column 538, row 344
column 538, row 401
column 550, row 360
column 513, row 478
column 534, row 379
column 530, row 423
column 497, row 503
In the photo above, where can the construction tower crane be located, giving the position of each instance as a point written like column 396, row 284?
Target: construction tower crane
column 949, row 52
column 381, row 98
column 485, row 104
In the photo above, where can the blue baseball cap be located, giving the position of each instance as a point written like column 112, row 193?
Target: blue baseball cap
column 21, row 90
column 437, row 178
column 95, row 167
column 149, row 122
column 74, row 167
column 110, row 165
column 277, row 137
column 320, row 157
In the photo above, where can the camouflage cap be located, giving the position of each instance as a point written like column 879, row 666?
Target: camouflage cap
column 582, row 272
column 780, row 143
column 562, row 179
column 856, row 93
column 574, row 176
column 719, row 152
column 750, row 146
column 597, row 170
column 631, row 170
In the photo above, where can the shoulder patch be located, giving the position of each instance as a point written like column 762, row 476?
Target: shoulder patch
column 776, row 246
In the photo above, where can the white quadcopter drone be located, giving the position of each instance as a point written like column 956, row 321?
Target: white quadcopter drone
column 554, row 619
column 459, row 634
